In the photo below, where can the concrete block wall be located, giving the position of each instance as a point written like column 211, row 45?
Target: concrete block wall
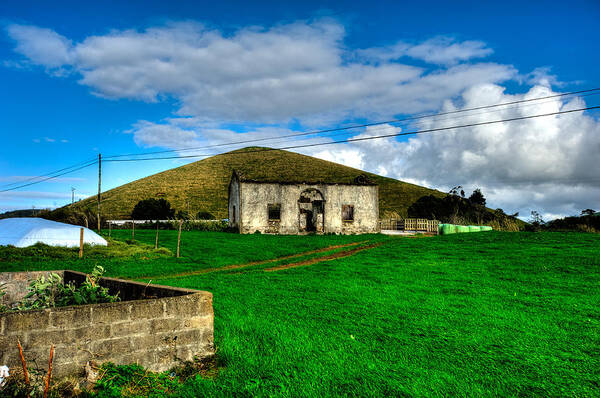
column 158, row 333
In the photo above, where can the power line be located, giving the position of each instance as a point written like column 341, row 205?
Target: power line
column 369, row 138
column 49, row 178
column 383, row 128
column 591, row 91
column 47, row 174
column 73, row 168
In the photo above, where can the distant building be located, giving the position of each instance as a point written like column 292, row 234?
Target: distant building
column 297, row 205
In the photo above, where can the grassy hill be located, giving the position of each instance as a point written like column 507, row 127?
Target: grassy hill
column 202, row 185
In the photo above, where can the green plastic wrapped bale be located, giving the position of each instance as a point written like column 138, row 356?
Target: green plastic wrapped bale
column 462, row 229
column 474, row 228
column 486, row 228
column 446, row 229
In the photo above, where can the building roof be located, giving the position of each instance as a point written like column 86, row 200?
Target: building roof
column 287, row 176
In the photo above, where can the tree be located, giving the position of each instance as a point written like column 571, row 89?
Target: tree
column 587, row 212
column 204, row 215
column 477, row 198
column 536, row 218
column 183, row 215
column 152, row 209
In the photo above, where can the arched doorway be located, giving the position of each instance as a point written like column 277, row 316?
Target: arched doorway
column 311, row 209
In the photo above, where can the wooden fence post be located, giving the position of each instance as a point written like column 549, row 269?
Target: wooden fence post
column 132, row 229
column 179, row 237
column 109, row 228
column 81, row 243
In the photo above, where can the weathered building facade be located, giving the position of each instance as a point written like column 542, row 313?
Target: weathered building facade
column 293, row 207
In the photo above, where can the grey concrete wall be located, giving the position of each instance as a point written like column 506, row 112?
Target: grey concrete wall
column 366, row 209
column 157, row 333
column 234, row 203
column 256, row 196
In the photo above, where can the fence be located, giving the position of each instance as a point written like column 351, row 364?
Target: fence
column 410, row 224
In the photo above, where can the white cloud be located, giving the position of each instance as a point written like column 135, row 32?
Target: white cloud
column 296, row 71
column 439, row 50
column 42, row 46
column 148, row 134
column 548, row 164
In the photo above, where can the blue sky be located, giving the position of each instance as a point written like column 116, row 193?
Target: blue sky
column 82, row 78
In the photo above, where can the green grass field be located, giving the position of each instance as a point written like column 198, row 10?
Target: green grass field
column 483, row 314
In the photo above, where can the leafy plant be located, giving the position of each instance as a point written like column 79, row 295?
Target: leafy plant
column 153, row 209
column 182, row 215
column 205, row 215
column 50, row 292
column 42, row 292
column 2, row 294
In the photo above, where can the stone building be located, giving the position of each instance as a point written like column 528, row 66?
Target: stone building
column 295, row 206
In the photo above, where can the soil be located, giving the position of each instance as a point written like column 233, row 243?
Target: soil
column 334, row 256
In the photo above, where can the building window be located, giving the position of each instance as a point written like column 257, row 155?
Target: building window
column 274, row 211
column 233, row 215
column 347, row 213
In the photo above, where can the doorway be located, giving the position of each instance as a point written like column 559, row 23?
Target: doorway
column 311, row 211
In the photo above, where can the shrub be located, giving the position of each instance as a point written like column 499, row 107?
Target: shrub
column 203, row 225
column 50, row 292
column 153, row 209
column 204, row 215
column 182, row 215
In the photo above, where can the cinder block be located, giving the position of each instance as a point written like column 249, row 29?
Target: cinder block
column 190, row 305
column 37, row 338
column 166, row 325
column 148, row 309
column 145, row 341
column 189, row 336
column 110, row 312
column 16, row 322
column 129, row 328
column 185, row 353
column 105, row 349
column 199, row 322
column 71, row 317
column 142, row 357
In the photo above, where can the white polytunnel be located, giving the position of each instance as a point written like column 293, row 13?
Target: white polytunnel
column 27, row 231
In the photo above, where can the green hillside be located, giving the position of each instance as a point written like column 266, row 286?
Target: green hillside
column 202, row 185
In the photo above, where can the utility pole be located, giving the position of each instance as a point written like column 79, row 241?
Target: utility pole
column 99, row 186
column 72, row 195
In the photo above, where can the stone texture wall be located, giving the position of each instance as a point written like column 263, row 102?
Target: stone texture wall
column 234, row 203
column 158, row 333
column 254, row 198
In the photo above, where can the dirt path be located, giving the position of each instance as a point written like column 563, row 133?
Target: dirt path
column 250, row 264
column 334, row 256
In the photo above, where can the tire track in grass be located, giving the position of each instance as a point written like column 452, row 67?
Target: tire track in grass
column 250, row 264
column 330, row 257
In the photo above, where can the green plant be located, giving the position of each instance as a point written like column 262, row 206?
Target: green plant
column 89, row 292
column 50, row 292
column 3, row 308
column 182, row 215
column 134, row 381
column 42, row 293
column 153, row 209
column 205, row 215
